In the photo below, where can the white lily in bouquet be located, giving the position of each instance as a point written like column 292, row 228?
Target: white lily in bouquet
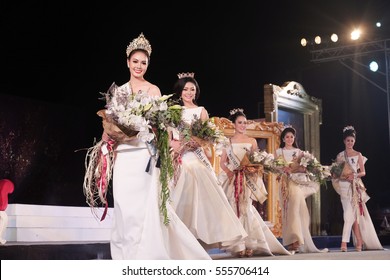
column 265, row 159
column 314, row 169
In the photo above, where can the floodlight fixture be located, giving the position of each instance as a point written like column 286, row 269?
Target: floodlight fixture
column 317, row 40
column 355, row 34
column 374, row 66
column 303, row 42
column 334, row 38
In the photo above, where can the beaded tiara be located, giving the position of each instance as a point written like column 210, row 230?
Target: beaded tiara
column 185, row 75
column 349, row 127
column 233, row 111
column 139, row 43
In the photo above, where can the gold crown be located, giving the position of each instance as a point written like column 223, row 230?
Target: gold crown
column 185, row 75
column 139, row 43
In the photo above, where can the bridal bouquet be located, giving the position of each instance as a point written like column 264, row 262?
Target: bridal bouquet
column 203, row 133
column 314, row 169
column 139, row 114
column 265, row 159
column 129, row 115
column 340, row 170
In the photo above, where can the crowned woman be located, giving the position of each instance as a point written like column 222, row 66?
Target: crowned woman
column 197, row 196
column 349, row 185
column 139, row 229
column 243, row 184
column 295, row 186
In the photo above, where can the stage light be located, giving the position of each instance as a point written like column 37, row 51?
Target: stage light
column 374, row 66
column 303, row 42
column 378, row 24
column 317, row 40
column 334, row 37
column 355, row 34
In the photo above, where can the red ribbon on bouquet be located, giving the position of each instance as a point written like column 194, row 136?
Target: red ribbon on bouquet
column 238, row 187
column 102, row 179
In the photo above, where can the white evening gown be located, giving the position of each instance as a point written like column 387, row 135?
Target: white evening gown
column 295, row 214
column 201, row 204
column 351, row 210
column 260, row 238
column 138, row 230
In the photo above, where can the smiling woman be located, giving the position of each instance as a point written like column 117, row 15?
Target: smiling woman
column 267, row 136
column 291, row 105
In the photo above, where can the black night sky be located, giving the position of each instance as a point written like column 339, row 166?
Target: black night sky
column 64, row 53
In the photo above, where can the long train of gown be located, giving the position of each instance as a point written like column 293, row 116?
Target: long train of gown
column 350, row 211
column 260, row 238
column 295, row 216
column 138, row 231
column 201, row 204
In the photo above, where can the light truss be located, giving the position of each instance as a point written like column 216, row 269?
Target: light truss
column 350, row 51
column 353, row 51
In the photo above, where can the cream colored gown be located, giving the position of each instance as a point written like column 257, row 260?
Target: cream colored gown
column 295, row 214
column 260, row 238
column 200, row 202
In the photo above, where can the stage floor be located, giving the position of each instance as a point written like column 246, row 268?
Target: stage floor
column 101, row 250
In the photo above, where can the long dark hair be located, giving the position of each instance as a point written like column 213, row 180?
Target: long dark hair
column 349, row 131
column 283, row 134
column 179, row 86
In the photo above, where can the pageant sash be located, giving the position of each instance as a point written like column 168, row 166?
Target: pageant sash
column 244, row 178
column 199, row 152
column 358, row 190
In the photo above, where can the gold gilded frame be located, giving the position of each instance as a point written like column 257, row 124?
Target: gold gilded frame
column 270, row 131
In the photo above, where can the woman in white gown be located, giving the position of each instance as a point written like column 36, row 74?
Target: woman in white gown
column 138, row 229
column 242, row 186
column 295, row 187
column 197, row 197
column 353, row 197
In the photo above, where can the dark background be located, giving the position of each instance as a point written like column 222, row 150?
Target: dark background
column 56, row 56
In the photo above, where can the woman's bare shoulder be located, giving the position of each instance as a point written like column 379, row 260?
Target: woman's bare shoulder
column 154, row 90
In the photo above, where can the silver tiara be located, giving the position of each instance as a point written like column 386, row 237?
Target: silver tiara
column 185, row 75
column 349, row 127
column 233, row 111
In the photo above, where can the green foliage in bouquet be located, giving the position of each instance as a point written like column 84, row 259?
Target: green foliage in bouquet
column 205, row 130
column 169, row 114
